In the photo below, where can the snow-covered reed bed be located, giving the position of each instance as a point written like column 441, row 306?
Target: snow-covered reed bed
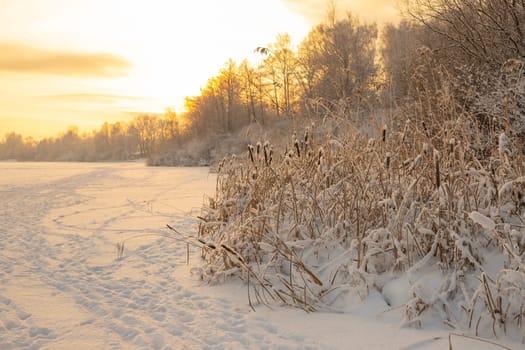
column 340, row 216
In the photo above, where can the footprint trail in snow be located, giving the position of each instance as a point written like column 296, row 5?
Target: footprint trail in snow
column 61, row 285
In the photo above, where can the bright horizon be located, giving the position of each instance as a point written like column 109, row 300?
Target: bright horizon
column 84, row 62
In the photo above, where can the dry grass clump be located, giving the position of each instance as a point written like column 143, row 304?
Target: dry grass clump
column 339, row 215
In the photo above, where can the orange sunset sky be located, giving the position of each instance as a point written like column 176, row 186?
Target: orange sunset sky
column 83, row 62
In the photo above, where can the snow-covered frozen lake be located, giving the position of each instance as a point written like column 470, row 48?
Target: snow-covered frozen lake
column 62, row 286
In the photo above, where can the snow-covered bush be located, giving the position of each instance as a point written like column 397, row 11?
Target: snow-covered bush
column 497, row 98
column 334, row 217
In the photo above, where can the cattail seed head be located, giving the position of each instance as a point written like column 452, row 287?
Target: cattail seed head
column 297, row 148
column 425, row 128
column 438, row 173
column 306, row 132
column 320, row 158
column 250, row 151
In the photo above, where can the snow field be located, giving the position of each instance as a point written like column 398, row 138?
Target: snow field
column 62, row 286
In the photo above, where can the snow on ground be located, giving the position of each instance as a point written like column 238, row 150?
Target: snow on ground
column 62, row 286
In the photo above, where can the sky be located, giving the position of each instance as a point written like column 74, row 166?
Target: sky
column 83, row 62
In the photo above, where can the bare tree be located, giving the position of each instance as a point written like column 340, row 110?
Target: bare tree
column 342, row 58
column 398, row 48
column 252, row 95
column 485, row 32
column 148, row 132
column 480, row 46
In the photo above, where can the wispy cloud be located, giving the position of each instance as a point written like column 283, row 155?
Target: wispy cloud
column 27, row 59
column 369, row 10
column 93, row 98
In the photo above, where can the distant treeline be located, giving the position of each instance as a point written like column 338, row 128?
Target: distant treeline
column 471, row 51
column 139, row 138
